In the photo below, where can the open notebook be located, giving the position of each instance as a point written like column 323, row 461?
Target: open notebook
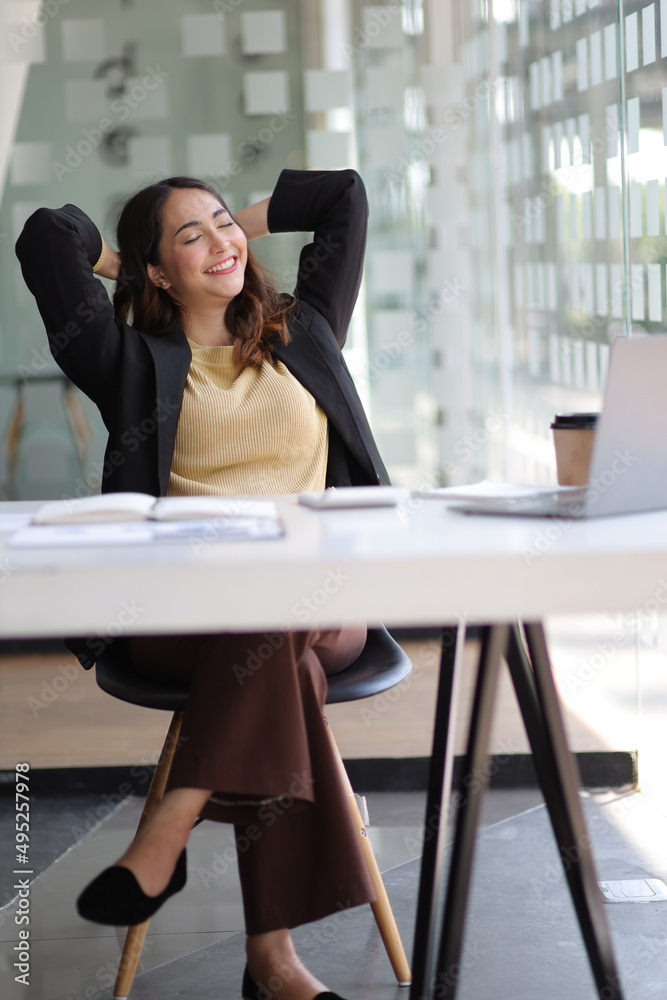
column 132, row 518
column 110, row 507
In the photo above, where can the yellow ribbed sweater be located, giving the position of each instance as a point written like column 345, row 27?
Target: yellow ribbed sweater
column 246, row 430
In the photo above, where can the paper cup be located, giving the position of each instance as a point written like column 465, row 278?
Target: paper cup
column 573, row 441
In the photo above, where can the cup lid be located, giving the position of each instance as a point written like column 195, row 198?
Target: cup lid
column 575, row 421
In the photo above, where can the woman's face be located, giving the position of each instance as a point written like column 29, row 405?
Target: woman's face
column 203, row 252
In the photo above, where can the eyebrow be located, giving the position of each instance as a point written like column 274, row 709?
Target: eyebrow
column 197, row 222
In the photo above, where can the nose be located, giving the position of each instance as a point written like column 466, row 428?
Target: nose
column 220, row 240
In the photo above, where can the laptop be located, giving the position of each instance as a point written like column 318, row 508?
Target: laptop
column 628, row 470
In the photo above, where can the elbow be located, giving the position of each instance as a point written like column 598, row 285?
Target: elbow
column 353, row 181
column 355, row 189
column 30, row 229
column 34, row 232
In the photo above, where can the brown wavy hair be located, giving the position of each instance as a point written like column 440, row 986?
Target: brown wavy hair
column 256, row 317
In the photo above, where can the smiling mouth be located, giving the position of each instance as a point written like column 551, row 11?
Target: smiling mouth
column 223, row 267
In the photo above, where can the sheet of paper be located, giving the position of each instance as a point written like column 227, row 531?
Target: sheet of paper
column 221, row 530
column 11, row 522
column 490, row 489
column 141, row 533
column 68, row 535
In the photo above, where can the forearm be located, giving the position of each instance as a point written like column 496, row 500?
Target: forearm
column 332, row 205
column 254, row 218
column 108, row 264
column 58, row 249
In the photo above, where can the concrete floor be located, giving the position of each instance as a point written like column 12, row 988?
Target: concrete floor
column 72, row 959
column 522, row 938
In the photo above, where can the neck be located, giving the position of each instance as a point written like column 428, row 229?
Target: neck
column 207, row 329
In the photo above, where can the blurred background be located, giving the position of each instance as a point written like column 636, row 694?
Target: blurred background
column 514, row 157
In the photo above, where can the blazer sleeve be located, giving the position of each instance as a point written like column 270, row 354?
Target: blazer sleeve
column 57, row 251
column 331, row 204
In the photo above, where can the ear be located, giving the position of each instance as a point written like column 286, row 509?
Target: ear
column 156, row 276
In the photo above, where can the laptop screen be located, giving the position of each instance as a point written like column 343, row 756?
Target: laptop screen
column 628, row 470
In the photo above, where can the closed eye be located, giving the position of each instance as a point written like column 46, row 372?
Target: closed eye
column 194, row 238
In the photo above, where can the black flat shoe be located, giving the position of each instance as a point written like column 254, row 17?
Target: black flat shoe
column 115, row 897
column 251, row 991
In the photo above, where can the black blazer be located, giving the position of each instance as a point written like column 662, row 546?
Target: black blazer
column 137, row 379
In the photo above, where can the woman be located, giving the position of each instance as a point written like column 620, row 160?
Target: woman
column 208, row 381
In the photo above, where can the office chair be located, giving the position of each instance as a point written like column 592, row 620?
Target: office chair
column 381, row 665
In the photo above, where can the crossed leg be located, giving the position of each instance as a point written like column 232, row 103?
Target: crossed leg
column 311, row 836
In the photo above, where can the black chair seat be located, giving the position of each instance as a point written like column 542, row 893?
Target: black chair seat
column 117, row 676
column 381, row 665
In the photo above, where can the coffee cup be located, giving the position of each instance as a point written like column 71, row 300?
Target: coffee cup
column 573, row 441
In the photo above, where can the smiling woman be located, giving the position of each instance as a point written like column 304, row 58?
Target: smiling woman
column 259, row 401
column 174, row 238
column 201, row 261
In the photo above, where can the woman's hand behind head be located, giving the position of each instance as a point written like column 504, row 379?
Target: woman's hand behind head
column 110, row 265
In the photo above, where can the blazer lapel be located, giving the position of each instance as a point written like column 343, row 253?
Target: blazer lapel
column 314, row 358
column 171, row 356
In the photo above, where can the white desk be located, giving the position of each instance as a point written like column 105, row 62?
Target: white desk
column 420, row 565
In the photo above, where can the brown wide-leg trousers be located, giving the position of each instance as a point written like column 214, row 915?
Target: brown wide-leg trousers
column 253, row 732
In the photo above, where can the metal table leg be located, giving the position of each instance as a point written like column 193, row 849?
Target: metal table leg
column 560, row 782
column 435, row 821
column 447, row 972
column 557, row 773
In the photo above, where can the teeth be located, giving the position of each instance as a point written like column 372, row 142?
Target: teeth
column 221, row 267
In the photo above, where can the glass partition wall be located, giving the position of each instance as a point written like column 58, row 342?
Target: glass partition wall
column 576, row 174
column 514, row 156
column 101, row 100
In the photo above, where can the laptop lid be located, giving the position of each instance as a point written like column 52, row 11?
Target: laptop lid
column 628, row 470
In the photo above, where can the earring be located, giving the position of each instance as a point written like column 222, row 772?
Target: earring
column 164, row 284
